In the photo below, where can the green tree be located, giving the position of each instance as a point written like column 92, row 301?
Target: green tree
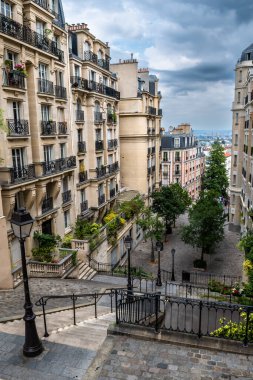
column 215, row 177
column 206, row 224
column 170, row 202
column 153, row 228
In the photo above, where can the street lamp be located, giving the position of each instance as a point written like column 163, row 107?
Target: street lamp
column 159, row 247
column 173, row 251
column 21, row 224
column 128, row 244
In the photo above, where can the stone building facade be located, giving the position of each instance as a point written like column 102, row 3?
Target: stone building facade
column 183, row 161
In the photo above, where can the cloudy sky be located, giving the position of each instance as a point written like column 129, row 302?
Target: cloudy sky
column 191, row 45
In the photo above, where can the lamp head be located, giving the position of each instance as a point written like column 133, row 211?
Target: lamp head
column 173, row 251
column 128, row 242
column 21, row 223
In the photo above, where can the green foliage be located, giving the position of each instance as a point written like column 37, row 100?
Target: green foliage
column 215, row 176
column 206, row 223
column 246, row 245
column 199, row 263
column 74, row 258
column 132, row 208
column 215, row 286
column 170, row 202
column 135, row 272
column 46, row 246
column 66, row 241
column 3, row 126
column 85, row 229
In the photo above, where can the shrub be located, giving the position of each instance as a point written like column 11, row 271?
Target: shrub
column 198, row 263
column 85, row 229
column 215, row 286
column 66, row 242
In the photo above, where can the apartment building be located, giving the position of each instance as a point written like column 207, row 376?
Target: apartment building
column 140, row 125
column 94, row 112
column 241, row 180
column 37, row 166
column 183, row 161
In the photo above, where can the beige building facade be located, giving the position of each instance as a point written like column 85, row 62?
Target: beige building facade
column 183, row 161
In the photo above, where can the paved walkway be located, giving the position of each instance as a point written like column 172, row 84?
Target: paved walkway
column 226, row 260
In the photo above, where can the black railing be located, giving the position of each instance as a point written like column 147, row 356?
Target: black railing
column 83, row 176
column 92, row 57
column 102, row 89
column 84, row 206
column 23, row 33
column 79, row 115
column 101, row 172
column 43, row 4
column 13, row 78
column 47, row 205
column 205, row 278
column 62, row 128
column 66, row 196
column 48, row 128
column 78, row 82
column 45, row 87
column 81, row 147
column 99, row 145
column 60, row 92
column 98, row 117
column 177, row 172
column 109, row 91
column 113, row 167
column 112, row 193
column 101, row 199
column 115, row 143
column 24, row 173
column 18, row 128
column 54, row 166
column 160, row 112
column 151, row 110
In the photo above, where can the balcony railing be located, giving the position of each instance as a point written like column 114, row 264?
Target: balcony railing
column 18, row 128
column 23, row 33
column 81, row 147
column 98, row 117
column 47, row 205
column 14, row 79
column 101, row 199
column 24, row 173
column 62, row 128
column 66, row 196
column 151, row 110
column 83, row 176
column 99, row 145
column 84, row 206
column 101, row 172
column 177, row 172
column 102, row 89
column 79, row 115
column 92, row 57
column 60, row 92
column 48, row 128
column 113, row 167
column 177, row 159
column 43, row 4
column 160, row 112
column 112, row 193
column 45, row 87
column 78, row 82
column 54, row 166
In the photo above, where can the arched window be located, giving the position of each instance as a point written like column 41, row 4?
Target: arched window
column 86, row 51
column 100, row 54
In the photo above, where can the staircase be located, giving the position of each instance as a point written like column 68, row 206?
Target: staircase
column 85, row 272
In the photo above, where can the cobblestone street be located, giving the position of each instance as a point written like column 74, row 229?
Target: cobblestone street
column 226, row 260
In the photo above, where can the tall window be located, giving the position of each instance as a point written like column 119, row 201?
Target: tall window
column 99, row 162
column 6, row 8
column 48, row 153
column 82, row 195
column 59, row 78
column 100, row 189
column 63, row 150
column 45, row 112
column 238, row 97
column 236, row 117
column 13, row 58
column 165, row 156
column 40, row 26
column 66, row 219
column 77, row 71
column 177, row 143
column 18, row 159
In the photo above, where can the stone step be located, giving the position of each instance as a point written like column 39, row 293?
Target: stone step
column 86, row 272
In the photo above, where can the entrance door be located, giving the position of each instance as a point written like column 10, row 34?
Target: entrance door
column 47, row 227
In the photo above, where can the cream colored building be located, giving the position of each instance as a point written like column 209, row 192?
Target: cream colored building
column 140, row 124
column 241, row 180
column 183, row 161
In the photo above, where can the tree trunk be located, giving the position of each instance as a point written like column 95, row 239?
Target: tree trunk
column 152, row 259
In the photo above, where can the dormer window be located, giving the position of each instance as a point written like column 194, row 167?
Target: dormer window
column 6, row 9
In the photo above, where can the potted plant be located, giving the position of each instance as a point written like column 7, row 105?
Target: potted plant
column 20, row 67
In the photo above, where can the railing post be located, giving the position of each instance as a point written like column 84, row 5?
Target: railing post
column 157, row 299
column 200, row 318
column 74, row 308
column 96, row 305
column 44, row 318
column 246, row 338
column 111, row 295
column 116, row 306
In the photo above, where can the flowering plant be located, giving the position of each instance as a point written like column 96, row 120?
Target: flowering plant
column 21, row 67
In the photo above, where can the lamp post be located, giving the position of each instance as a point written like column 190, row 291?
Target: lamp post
column 128, row 244
column 159, row 247
column 173, row 251
column 21, row 224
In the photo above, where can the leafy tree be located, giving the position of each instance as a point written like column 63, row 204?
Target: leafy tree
column 170, row 202
column 206, row 223
column 215, row 176
column 153, row 228
column 132, row 207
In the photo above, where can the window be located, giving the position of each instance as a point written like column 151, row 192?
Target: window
column 66, row 219
column 176, row 142
column 238, row 97
column 92, row 76
column 165, row 156
column 236, row 117
column 59, row 78
column 13, row 57
column 48, row 153
column 105, row 81
column 100, row 189
column 236, row 139
column 19, row 200
column 79, row 135
column 55, row 40
column 240, row 75
column 235, row 160
column 14, row 110
column 99, row 162
column 100, row 54
column 86, row 46
column 18, row 159
column 6, row 9
column 110, row 159
column 65, row 184
column 63, row 150
column 98, row 135
column 40, row 26
column 234, row 179
column 45, row 112
column 82, row 195
column 77, row 71
column 60, row 115
column 109, row 134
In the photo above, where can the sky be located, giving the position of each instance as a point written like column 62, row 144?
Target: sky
column 191, row 45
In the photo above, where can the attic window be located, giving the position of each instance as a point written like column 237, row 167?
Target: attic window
column 248, row 56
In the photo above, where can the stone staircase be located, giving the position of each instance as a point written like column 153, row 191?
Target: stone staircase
column 85, row 271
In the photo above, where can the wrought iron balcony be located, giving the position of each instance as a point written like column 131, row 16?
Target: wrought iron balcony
column 177, row 159
column 62, row 128
column 78, row 82
column 92, row 57
column 113, row 167
column 153, row 150
column 109, row 91
column 79, row 115
column 18, row 128
column 115, row 143
column 151, row 110
column 99, row 145
column 45, row 87
column 81, row 147
column 47, row 205
column 102, row 89
column 48, row 128
column 177, row 172
column 14, row 78
column 84, row 206
column 98, row 117
column 54, row 166
column 23, row 173
column 66, row 196
column 101, row 199
column 101, row 172
column 23, row 33
column 83, row 176
column 60, row 92
column 160, row 112
column 43, row 4
column 112, row 193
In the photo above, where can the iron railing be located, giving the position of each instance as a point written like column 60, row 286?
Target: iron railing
column 101, row 199
column 99, row 145
column 24, row 173
column 151, row 110
column 45, row 87
column 205, row 278
column 81, row 147
column 84, row 206
column 23, row 33
column 60, row 92
column 18, row 128
column 43, row 4
column 61, row 164
column 14, row 79
column 92, row 57
column 102, row 89
column 113, row 167
column 83, row 176
column 47, row 205
column 48, row 128
column 79, row 115
column 66, row 196
column 101, row 172
column 160, row 112
column 112, row 193
column 78, row 82
column 62, row 128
